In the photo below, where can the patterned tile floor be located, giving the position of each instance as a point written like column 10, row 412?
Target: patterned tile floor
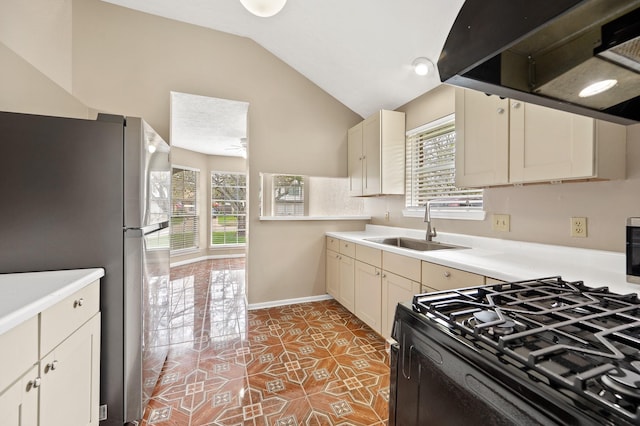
column 304, row 364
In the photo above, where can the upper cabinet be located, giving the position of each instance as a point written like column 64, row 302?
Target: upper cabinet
column 505, row 141
column 376, row 155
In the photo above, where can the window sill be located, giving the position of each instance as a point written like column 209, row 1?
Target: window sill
column 303, row 218
column 227, row 246
column 458, row 214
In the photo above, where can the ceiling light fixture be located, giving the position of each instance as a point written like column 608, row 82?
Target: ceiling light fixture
column 263, row 8
column 423, row 66
column 597, row 87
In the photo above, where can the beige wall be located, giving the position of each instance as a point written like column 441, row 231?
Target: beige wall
column 127, row 62
column 539, row 213
column 39, row 31
column 25, row 89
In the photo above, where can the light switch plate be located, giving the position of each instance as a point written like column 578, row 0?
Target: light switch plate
column 501, row 222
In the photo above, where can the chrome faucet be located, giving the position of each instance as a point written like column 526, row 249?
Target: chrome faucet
column 431, row 234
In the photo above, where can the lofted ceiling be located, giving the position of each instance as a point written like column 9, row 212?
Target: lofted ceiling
column 358, row 51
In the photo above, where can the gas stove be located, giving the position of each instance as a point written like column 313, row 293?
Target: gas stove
column 581, row 343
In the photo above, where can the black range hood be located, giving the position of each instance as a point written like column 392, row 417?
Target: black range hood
column 547, row 51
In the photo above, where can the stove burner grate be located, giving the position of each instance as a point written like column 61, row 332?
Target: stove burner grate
column 581, row 339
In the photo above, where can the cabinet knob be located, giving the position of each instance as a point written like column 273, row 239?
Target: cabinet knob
column 377, row 273
column 447, row 274
column 35, row 383
column 384, row 275
column 51, row 366
column 516, row 105
column 500, row 110
column 78, row 302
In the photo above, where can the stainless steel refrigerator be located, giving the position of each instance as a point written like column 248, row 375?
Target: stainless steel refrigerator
column 95, row 193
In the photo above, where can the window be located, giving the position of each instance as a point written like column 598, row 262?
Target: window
column 184, row 209
column 288, row 195
column 430, row 174
column 228, row 208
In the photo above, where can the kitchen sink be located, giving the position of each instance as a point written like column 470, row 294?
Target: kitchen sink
column 413, row 243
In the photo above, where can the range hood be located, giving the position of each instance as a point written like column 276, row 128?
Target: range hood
column 547, row 51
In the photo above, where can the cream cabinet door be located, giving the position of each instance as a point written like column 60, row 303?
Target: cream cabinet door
column 395, row 289
column 368, row 304
column 347, row 290
column 371, row 152
column 19, row 403
column 70, row 386
column 332, row 276
column 482, row 139
column 355, row 160
column 547, row 144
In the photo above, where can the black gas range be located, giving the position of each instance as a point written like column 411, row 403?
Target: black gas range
column 539, row 352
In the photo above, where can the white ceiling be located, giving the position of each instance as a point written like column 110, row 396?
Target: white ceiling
column 358, row 51
column 209, row 125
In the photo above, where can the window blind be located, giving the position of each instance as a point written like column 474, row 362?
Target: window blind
column 184, row 209
column 430, row 174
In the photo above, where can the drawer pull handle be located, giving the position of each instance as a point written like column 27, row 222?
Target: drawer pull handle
column 447, row 274
column 78, row 303
column 35, row 383
column 51, row 366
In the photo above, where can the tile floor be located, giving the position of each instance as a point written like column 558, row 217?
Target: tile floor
column 305, row 364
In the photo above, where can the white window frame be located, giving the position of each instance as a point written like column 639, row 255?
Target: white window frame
column 442, row 209
column 211, row 215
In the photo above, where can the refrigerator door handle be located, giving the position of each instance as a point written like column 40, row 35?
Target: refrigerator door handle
column 148, row 229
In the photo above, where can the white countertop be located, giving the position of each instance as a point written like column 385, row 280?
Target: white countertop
column 24, row 295
column 510, row 260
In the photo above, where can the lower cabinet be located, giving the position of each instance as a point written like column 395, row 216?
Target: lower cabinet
column 438, row 277
column 332, row 276
column 60, row 384
column 368, row 280
column 70, row 378
column 395, row 289
column 371, row 282
column 347, row 287
column 19, row 402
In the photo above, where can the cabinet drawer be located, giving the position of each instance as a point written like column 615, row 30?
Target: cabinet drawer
column 333, row 244
column 489, row 280
column 63, row 318
column 347, row 248
column 369, row 255
column 444, row 278
column 404, row 266
column 19, row 351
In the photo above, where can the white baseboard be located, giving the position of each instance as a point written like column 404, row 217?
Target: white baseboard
column 275, row 303
column 209, row 257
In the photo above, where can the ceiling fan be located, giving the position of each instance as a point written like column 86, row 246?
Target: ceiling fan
column 238, row 149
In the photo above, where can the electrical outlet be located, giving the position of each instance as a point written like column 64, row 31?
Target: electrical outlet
column 501, row 222
column 386, row 216
column 579, row 227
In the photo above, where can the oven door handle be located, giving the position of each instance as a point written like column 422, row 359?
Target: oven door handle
column 404, row 374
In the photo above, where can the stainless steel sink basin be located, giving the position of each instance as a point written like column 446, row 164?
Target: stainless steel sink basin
column 413, row 243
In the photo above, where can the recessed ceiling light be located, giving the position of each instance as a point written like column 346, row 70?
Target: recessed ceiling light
column 597, row 87
column 422, row 66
